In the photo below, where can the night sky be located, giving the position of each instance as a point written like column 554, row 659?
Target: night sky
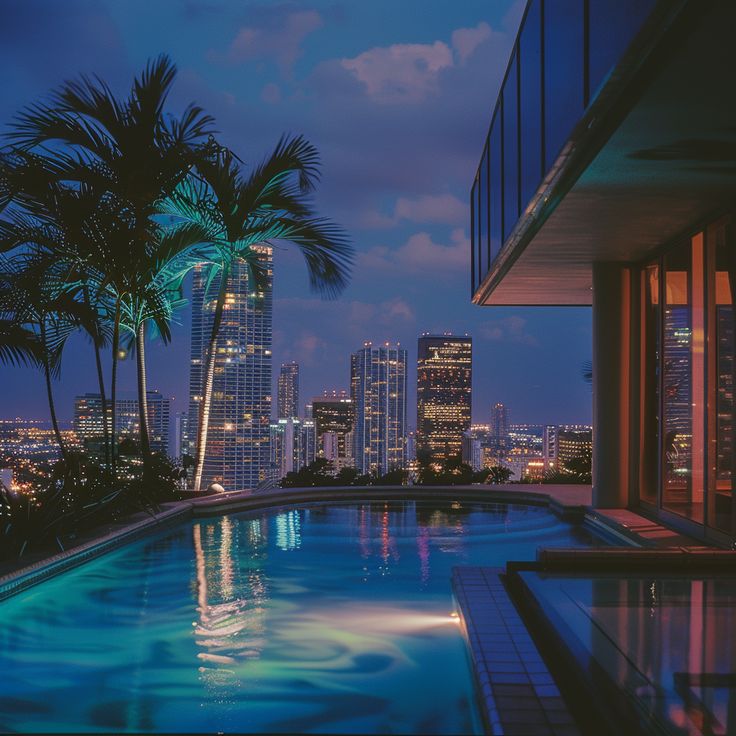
column 396, row 95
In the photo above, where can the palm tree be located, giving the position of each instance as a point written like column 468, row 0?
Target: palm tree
column 18, row 344
column 239, row 213
column 32, row 291
column 132, row 156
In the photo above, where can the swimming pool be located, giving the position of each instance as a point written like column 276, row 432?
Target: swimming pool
column 327, row 618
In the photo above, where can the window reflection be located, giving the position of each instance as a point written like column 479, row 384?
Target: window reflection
column 530, row 99
column 475, row 276
column 721, row 355
column 611, row 28
column 511, row 149
column 483, row 244
column 496, row 186
column 683, row 381
column 563, row 72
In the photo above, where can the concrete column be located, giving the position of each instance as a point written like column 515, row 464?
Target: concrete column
column 611, row 384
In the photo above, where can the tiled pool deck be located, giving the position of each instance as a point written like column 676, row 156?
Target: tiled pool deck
column 518, row 695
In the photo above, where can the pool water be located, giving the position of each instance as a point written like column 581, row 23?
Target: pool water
column 325, row 618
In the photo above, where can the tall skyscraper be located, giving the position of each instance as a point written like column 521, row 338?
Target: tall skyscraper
column 288, row 391
column 378, row 383
column 238, row 454
column 444, row 378
column 499, row 426
column 334, row 416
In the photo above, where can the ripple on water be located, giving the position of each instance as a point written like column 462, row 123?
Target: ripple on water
column 323, row 619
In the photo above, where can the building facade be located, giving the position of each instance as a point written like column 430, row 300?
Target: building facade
column 607, row 179
column 444, row 395
column 378, row 385
column 87, row 423
column 88, row 426
column 127, row 420
column 293, row 445
column 288, row 391
column 334, row 416
column 238, row 452
column 500, row 426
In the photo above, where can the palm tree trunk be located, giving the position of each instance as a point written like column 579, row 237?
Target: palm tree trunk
column 101, row 384
column 50, row 393
column 208, row 381
column 103, row 403
column 140, row 341
column 114, row 384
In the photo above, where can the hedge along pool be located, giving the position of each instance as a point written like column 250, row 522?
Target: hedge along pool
column 326, row 618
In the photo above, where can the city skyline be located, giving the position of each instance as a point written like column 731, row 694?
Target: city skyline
column 403, row 212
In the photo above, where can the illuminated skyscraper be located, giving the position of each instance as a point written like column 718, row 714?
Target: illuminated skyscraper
column 237, row 454
column 444, row 377
column 378, row 385
column 334, row 415
column 288, row 391
column 499, row 426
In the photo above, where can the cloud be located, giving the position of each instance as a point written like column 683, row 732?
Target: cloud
column 466, row 40
column 277, row 35
column 420, row 253
column 401, row 72
column 441, row 208
column 309, row 346
column 410, row 72
column 508, row 329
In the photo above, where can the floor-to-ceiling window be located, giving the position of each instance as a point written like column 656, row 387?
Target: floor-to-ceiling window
column 688, row 373
column 683, row 378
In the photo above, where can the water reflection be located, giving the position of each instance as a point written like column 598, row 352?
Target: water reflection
column 667, row 643
column 230, row 602
column 288, row 535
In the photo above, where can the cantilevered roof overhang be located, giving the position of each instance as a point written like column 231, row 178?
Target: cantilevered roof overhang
column 653, row 156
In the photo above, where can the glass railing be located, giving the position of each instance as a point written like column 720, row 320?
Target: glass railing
column 563, row 54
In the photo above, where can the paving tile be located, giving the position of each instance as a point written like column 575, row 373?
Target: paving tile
column 541, row 679
column 535, row 667
column 518, row 693
column 521, row 691
column 516, row 667
column 565, row 731
column 526, row 715
column 527, row 729
column 514, row 703
column 553, row 704
column 560, row 718
column 508, row 678
column 547, row 690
